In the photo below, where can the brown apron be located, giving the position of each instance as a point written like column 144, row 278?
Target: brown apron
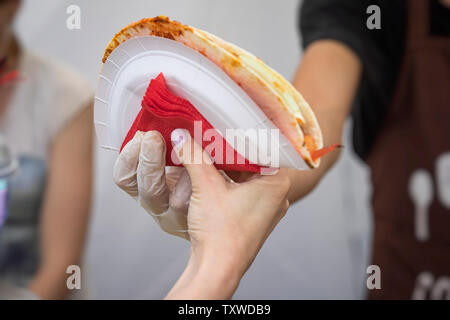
column 410, row 166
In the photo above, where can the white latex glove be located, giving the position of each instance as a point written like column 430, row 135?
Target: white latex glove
column 163, row 192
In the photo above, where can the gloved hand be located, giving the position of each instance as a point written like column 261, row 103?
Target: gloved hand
column 163, row 192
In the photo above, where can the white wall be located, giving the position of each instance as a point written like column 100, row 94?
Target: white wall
column 319, row 250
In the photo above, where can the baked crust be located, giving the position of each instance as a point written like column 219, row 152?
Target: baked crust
column 268, row 89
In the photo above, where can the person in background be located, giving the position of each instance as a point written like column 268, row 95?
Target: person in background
column 394, row 82
column 396, row 78
column 46, row 121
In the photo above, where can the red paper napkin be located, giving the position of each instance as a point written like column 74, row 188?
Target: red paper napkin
column 163, row 111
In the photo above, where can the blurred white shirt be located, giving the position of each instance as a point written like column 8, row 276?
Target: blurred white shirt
column 48, row 97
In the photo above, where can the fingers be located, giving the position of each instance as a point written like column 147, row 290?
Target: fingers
column 196, row 161
column 124, row 173
column 280, row 184
column 152, row 188
column 280, row 176
column 181, row 194
column 140, row 171
column 174, row 222
column 173, row 175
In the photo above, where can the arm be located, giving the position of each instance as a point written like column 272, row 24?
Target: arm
column 66, row 207
column 225, row 234
column 207, row 277
column 328, row 77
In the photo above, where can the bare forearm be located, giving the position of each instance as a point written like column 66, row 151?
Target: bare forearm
column 63, row 236
column 303, row 182
column 66, row 207
column 50, row 283
column 327, row 77
column 207, row 277
column 64, row 243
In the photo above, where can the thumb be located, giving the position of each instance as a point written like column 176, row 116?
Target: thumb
column 197, row 162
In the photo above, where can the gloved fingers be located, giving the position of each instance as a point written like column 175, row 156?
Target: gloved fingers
column 181, row 194
column 196, row 161
column 151, row 182
column 173, row 174
column 174, row 222
column 124, row 172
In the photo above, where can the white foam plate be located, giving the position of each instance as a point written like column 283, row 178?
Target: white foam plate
column 128, row 71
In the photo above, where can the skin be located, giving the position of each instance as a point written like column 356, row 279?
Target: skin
column 225, row 239
column 228, row 221
column 65, row 208
column 327, row 76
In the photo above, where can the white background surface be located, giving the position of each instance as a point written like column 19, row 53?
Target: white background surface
column 320, row 250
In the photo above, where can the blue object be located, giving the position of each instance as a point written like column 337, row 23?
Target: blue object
column 3, row 201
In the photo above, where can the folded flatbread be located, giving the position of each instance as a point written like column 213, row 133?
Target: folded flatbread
column 273, row 94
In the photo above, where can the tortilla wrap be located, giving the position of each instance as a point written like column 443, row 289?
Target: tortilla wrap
column 274, row 95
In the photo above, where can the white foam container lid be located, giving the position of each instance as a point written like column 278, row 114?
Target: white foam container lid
column 130, row 67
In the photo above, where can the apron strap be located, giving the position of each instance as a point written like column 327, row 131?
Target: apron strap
column 418, row 26
column 417, row 30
